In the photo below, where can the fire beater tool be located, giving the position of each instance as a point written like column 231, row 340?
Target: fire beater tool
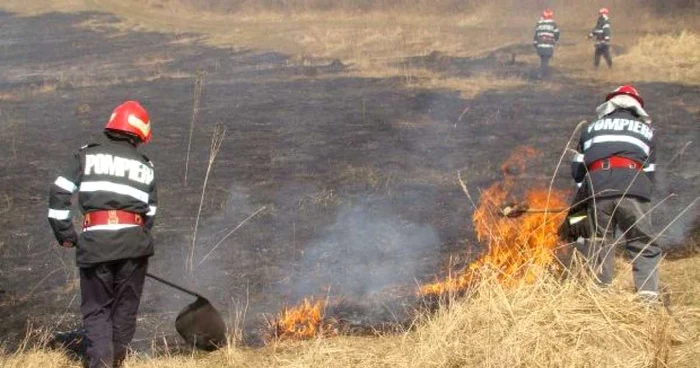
column 199, row 323
column 517, row 210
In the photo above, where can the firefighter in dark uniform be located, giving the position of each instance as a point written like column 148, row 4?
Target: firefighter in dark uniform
column 601, row 34
column 546, row 37
column 616, row 168
column 117, row 195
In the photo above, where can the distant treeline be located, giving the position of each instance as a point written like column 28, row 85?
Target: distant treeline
column 428, row 6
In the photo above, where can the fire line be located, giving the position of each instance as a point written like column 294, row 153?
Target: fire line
column 518, row 249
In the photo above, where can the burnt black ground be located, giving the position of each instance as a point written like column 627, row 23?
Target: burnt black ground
column 358, row 175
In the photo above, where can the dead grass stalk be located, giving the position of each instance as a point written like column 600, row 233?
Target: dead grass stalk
column 197, row 96
column 216, row 139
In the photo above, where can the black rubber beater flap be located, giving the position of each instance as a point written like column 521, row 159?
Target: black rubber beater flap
column 201, row 326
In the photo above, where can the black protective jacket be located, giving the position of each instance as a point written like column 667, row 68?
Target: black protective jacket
column 110, row 175
column 602, row 32
column 546, row 36
column 620, row 133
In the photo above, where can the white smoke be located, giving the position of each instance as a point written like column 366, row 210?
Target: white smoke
column 364, row 251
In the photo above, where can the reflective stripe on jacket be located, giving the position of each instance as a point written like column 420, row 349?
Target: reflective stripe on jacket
column 623, row 134
column 602, row 32
column 546, row 35
column 111, row 175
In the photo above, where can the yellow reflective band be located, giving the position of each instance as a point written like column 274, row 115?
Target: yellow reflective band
column 143, row 127
column 576, row 219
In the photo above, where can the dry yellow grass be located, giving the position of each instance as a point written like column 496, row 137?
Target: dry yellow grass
column 375, row 44
column 671, row 58
column 377, row 41
column 546, row 324
column 42, row 6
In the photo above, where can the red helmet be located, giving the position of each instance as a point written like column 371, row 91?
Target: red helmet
column 131, row 118
column 547, row 13
column 603, row 11
column 626, row 90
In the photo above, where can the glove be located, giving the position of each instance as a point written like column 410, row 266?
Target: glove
column 576, row 225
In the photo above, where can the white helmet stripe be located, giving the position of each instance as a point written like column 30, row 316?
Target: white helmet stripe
column 143, row 127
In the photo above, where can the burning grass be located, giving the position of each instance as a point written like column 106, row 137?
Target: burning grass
column 304, row 321
column 519, row 250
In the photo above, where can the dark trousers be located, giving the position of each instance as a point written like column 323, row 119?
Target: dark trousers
column 604, row 51
column 631, row 217
column 544, row 65
column 110, row 294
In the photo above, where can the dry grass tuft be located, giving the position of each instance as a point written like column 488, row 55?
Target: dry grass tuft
column 36, row 359
column 549, row 324
column 664, row 58
column 546, row 324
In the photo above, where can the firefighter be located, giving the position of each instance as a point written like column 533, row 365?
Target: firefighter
column 615, row 168
column 116, row 191
column 546, row 37
column 601, row 34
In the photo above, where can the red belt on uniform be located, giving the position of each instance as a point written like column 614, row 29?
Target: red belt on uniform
column 615, row 162
column 112, row 217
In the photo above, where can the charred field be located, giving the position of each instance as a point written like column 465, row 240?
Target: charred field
column 357, row 175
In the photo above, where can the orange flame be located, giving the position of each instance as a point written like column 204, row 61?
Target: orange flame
column 519, row 249
column 303, row 321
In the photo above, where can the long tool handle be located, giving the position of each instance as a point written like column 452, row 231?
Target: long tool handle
column 548, row 210
column 178, row 287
